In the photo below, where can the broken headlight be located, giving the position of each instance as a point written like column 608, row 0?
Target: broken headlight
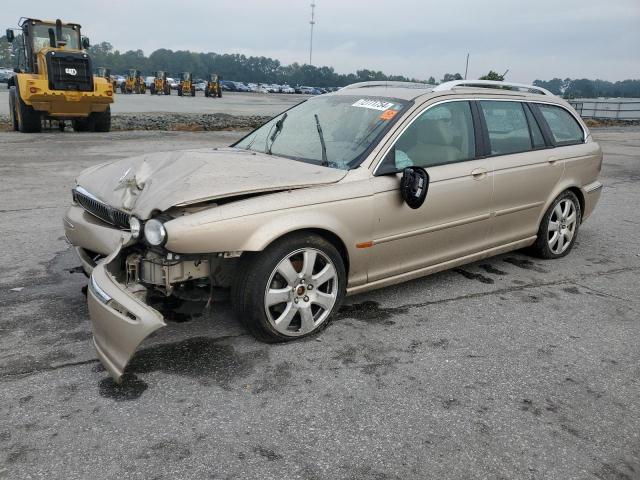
column 154, row 232
column 135, row 226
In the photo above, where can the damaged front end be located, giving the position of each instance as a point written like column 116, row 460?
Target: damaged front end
column 128, row 268
column 120, row 287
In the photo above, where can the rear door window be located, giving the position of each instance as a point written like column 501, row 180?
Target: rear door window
column 564, row 128
column 507, row 126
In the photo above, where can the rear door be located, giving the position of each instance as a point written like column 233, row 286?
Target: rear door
column 454, row 219
column 525, row 168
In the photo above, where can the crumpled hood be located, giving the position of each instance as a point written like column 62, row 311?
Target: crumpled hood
column 143, row 184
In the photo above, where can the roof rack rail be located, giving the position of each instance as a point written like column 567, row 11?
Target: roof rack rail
column 385, row 83
column 491, row 84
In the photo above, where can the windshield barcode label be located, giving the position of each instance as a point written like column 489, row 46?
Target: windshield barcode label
column 373, row 104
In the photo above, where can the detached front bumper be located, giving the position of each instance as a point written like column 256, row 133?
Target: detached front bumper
column 121, row 321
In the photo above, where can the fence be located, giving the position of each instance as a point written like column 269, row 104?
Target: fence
column 612, row 109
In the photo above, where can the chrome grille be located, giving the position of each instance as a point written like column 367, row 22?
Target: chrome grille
column 98, row 208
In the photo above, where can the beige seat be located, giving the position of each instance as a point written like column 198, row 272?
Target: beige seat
column 430, row 143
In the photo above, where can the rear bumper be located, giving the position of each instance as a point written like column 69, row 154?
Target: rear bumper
column 120, row 320
column 591, row 193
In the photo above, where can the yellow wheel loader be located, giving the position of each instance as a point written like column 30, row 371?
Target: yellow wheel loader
column 133, row 83
column 54, row 79
column 213, row 88
column 160, row 84
column 186, row 86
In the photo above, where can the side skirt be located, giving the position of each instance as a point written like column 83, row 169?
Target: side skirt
column 423, row 272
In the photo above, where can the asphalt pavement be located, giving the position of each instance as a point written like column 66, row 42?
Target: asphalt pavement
column 509, row 368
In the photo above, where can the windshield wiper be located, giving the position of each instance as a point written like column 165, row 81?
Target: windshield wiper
column 278, row 129
column 325, row 161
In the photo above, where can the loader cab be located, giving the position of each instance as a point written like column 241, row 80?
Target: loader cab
column 160, row 75
column 37, row 34
column 186, row 76
column 103, row 72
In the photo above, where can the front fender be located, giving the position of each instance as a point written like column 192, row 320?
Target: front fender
column 350, row 220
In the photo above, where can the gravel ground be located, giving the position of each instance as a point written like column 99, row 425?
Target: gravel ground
column 508, row 368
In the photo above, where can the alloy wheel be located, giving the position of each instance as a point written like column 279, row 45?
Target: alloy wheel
column 301, row 292
column 562, row 226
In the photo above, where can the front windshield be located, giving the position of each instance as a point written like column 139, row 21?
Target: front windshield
column 334, row 131
column 41, row 37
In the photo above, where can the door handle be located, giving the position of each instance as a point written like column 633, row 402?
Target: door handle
column 479, row 173
column 552, row 160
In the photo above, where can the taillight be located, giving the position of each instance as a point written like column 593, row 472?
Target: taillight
column 33, row 89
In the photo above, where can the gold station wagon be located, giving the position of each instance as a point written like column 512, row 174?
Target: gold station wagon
column 372, row 185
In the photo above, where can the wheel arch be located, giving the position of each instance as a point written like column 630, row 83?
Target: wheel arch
column 331, row 237
column 561, row 188
column 578, row 193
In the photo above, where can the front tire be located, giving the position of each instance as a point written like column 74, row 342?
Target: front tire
column 12, row 108
column 559, row 227
column 29, row 120
column 291, row 289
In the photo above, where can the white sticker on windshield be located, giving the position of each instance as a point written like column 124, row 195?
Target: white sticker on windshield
column 373, row 104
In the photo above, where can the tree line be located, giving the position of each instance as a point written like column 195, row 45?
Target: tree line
column 230, row 66
column 233, row 66
column 585, row 88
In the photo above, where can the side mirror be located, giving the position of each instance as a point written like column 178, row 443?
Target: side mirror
column 414, row 186
column 85, row 43
column 10, row 36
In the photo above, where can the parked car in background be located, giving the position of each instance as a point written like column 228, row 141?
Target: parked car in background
column 309, row 90
column 173, row 83
column 287, row 89
column 200, row 85
column 374, row 185
column 150, row 80
column 228, row 86
column 5, row 74
column 242, row 87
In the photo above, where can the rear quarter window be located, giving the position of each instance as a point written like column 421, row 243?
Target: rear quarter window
column 564, row 128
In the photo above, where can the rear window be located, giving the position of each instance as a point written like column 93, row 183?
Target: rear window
column 564, row 128
column 507, row 126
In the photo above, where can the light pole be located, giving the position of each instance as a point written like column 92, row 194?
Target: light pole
column 312, row 23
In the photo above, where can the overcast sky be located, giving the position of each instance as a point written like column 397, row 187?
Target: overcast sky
column 420, row 38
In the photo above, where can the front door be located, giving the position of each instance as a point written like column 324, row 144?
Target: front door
column 454, row 219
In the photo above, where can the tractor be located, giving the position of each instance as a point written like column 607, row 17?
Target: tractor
column 133, row 83
column 104, row 72
column 160, row 84
column 213, row 88
column 54, row 79
column 186, row 86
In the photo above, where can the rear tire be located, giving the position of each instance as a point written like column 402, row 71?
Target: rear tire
column 102, row 121
column 559, row 227
column 152, row 90
column 29, row 120
column 298, row 308
column 219, row 92
column 167, row 89
column 193, row 91
column 206, row 92
column 82, row 124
